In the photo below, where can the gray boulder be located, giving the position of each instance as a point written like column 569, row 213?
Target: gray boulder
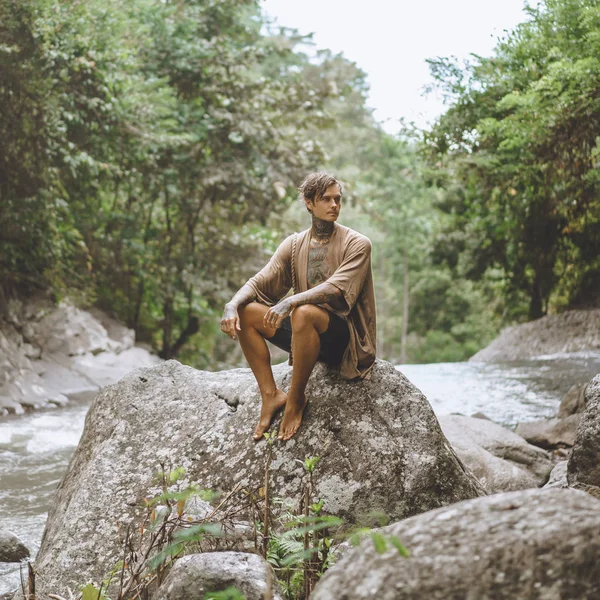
column 550, row 433
column 573, row 401
column 499, row 458
column 12, row 549
column 537, row 544
column 571, row 331
column 380, row 445
column 584, row 464
column 50, row 354
column 558, row 477
column 68, row 330
column 193, row 576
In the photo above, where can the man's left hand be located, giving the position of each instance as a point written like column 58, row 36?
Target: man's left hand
column 276, row 314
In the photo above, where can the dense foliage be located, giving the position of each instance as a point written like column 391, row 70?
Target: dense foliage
column 519, row 150
column 140, row 142
column 149, row 153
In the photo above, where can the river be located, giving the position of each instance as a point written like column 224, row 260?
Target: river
column 35, row 448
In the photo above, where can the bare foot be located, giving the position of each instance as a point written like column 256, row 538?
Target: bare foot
column 292, row 418
column 270, row 406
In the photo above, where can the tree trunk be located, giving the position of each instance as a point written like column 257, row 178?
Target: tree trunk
column 404, row 307
column 536, row 304
column 166, row 351
column 382, row 309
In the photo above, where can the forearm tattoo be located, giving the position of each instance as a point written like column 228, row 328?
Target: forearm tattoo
column 325, row 293
column 244, row 295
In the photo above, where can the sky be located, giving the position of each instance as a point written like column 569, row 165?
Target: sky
column 391, row 40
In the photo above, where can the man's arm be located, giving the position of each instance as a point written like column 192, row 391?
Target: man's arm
column 272, row 282
column 324, row 293
column 230, row 323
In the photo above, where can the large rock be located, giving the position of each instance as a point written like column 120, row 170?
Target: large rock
column 572, row 331
column 193, row 576
column 550, row 433
column 12, row 549
column 573, row 402
column 69, row 330
column 584, row 465
column 380, row 445
column 51, row 354
column 499, row 458
column 538, row 544
column 558, row 477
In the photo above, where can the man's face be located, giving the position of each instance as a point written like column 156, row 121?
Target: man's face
column 327, row 207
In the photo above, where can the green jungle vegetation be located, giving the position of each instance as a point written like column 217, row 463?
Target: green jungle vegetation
column 150, row 152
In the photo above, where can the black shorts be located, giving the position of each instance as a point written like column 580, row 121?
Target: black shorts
column 334, row 340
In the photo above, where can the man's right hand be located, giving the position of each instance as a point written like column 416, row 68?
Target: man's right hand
column 230, row 323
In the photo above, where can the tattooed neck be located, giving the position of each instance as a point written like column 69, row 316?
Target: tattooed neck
column 321, row 230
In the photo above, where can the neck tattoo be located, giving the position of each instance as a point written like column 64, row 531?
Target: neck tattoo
column 321, row 230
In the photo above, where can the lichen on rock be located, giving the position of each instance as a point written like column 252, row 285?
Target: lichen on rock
column 380, row 444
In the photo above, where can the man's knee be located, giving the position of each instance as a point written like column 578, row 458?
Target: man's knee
column 309, row 315
column 251, row 313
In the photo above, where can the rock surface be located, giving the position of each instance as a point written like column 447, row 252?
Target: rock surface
column 499, row 458
column 550, row 433
column 193, row 576
column 573, row 402
column 380, row 445
column 584, row 463
column 12, row 549
column 558, row 477
column 572, row 331
column 50, row 354
column 536, row 544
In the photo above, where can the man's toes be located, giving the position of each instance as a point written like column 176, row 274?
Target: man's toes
column 260, row 431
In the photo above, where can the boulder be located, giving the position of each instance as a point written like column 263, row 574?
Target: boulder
column 193, row 576
column 69, row 330
column 12, row 549
column 550, row 433
column 573, row 401
column 9, row 406
column 571, row 331
column 120, row 337
column 539, row 544
column 50, row 355
column 558, row 477
column 380, row 445
column 499, row 458
column 584, row 463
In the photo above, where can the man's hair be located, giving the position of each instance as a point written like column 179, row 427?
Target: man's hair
column 315, row 185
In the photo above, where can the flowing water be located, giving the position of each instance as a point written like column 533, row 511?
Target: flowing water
column 35, row 448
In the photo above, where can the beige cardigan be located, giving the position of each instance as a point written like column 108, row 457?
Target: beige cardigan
column 349, row 261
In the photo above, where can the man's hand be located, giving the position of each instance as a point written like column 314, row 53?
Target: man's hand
column 276, row 314
column 230, row 323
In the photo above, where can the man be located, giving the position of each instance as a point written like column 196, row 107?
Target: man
column 329, row 317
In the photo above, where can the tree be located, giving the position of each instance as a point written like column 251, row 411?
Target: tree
column 519, row 145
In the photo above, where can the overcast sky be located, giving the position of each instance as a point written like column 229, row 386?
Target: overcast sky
column 390, row 40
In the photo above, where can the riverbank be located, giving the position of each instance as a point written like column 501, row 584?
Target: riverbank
column 51, row 355
column 35, row 448
column 567, row 333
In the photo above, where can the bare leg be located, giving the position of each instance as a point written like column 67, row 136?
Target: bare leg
column 308, row 322
column 252, row 340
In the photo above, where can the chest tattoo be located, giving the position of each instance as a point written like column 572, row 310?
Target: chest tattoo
column 318, row 269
